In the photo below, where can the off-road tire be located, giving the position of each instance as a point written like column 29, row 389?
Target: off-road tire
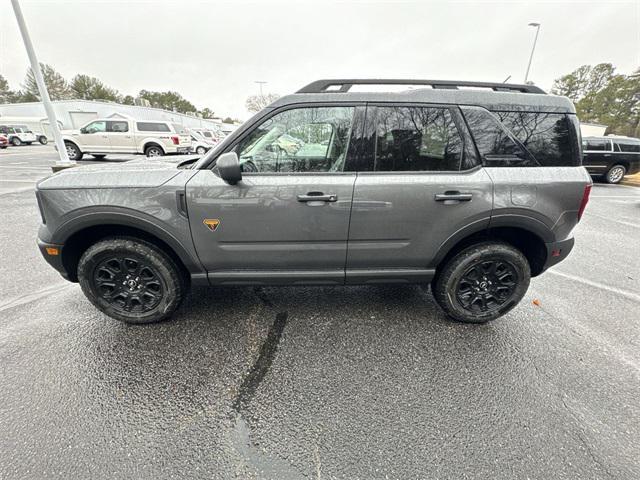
column 95, row 261
column 73, row 152
column 43, row 140
column 201, row 150
column 615, row 174
column 453, row 278
column 16, row 142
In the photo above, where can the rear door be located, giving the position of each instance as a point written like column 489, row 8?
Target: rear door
column 287, row 221
column 597, row 155
column 120, row 136
column 423, row 187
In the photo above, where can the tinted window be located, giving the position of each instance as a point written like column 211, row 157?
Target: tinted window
column 629, row 147
column 152, row 127
column 596, row 144
column 299, row 140
column 416, row 139
column 96, row 127
column 545, row 135
column 117, row 127
column 496, row 146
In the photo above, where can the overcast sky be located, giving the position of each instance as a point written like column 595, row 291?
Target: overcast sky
column 213, row 51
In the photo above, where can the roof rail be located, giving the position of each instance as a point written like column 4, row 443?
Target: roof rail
column 344, row 85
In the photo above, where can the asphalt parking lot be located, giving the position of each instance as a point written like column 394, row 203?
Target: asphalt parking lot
column 358, row 382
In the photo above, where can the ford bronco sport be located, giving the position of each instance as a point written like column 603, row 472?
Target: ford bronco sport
column 471, row 187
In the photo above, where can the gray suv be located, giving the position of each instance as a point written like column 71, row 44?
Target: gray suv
column 471, row 187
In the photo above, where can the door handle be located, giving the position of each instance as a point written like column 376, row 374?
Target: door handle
column 453, row 195
column 318, row 197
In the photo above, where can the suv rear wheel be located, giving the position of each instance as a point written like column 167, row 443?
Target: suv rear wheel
column 482, row 282
column 615, row 174
column 73, row 152
column 131, row 280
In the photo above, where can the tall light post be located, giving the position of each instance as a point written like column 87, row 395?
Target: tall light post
column 261, row 83
column 42, row 88
column 533, row 49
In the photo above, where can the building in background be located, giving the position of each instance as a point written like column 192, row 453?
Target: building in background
column 592, row 129
column 73, row 114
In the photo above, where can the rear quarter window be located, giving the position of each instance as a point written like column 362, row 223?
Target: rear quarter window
column 629, row 147
column 546, row 136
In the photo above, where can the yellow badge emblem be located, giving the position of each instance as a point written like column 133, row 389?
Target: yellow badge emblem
column 211, row 223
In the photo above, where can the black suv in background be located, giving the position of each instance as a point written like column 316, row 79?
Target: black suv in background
column 611, row 157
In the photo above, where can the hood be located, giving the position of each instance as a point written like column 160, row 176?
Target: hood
column 134, row 174
column 70, row 132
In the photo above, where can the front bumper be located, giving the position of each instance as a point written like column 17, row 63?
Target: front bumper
column 54, row 259
column 557, row 251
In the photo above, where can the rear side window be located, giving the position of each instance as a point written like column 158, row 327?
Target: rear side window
column 152, row 127
column 596, row 144
column 496, row 145
column 416, row 139
column 117, row 127
column 546, row 136
column 629, row 147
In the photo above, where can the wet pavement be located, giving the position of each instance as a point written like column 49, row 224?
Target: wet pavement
column 357, row 382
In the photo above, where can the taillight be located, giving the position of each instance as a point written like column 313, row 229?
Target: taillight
column 175, row 140
column 584, row 201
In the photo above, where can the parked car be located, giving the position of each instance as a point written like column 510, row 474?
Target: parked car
column 611, row 157
column 200, row 144
column 473, row 192
column 17, row 135
column 108, row 135
column 41, row 138
column 4, row 141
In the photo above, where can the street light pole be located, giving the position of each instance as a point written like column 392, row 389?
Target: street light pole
column 533, row 49
column 42, row 88
column 261, row 83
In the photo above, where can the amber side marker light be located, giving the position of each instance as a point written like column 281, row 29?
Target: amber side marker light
column 52, row 251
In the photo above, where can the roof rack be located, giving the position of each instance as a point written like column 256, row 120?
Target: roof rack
column 344, row 85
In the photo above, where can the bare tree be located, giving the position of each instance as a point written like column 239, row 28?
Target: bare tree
column 255, row 103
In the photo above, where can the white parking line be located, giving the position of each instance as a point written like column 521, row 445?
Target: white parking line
column 630, row 295
column 30, row 297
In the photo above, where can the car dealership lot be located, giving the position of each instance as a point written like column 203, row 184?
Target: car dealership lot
column 358, row 382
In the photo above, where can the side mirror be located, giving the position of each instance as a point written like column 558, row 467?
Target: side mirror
column 229, row 168
column 83, row 130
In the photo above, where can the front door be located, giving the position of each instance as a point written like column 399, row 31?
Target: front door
column 424, row 187
column 287, row 220
column 94, row 138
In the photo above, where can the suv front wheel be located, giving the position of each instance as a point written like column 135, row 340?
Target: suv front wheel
column 482, row 282
column 73, row 152
column 131, row 280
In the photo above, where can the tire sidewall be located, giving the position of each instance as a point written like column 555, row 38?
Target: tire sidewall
column 16, row 141
column 201, row 150
column 608, row 175
column 457, row 267
column 168, row 277
column 77, row 154
column 150, row 148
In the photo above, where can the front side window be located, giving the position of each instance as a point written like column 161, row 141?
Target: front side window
column 312, row 139
column 152, row 127
column 545, row 135
column 117, row 127
column 598, row 145
column 416, row 139
column 99, row 126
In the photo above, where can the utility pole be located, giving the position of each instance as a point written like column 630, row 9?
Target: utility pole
column 535, row 40
column 261, row 83
column 64, row 161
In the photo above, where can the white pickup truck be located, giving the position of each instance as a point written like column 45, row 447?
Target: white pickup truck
column 101, row 137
